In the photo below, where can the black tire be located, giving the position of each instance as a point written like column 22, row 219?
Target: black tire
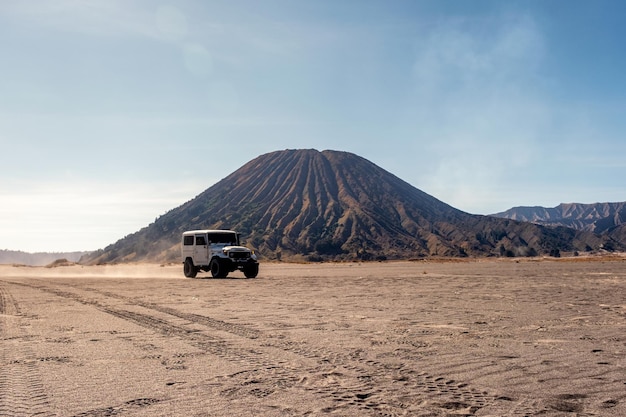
column 189, row 269
column 218, row 269
column 251, row 271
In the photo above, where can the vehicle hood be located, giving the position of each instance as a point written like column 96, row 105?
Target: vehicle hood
column 236, row 249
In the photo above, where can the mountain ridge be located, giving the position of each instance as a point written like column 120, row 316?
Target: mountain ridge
column 38, row 258
column 595, row 217
column 333, row 205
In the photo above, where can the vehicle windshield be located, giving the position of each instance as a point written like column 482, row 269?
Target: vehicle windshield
column 226, row 238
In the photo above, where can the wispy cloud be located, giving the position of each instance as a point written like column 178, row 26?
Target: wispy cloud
column 90, row 17
column 463, row 54
column 476, row 106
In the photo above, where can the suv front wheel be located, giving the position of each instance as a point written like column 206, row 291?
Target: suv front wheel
column 251, row 271
column 218, row 269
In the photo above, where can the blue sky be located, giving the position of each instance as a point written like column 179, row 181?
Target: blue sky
column 115, row 111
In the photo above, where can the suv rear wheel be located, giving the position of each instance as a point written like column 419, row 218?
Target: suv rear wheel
column 189, row 269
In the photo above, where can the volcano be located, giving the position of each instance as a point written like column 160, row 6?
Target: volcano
column 330, row 205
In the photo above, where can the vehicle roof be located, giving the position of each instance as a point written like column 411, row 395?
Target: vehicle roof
column 193, row 232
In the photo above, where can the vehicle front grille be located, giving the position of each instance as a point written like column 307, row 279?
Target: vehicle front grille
column 239, row 255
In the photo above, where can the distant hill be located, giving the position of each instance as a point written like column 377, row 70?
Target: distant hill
column 37, row 259
column 618, row 233
column 597, row 218
column 330, row 205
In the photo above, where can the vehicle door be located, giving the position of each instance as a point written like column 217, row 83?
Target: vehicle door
column 201, row 250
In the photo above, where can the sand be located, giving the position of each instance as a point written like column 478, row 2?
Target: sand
column 474, row 338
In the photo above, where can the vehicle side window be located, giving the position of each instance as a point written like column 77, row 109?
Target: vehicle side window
column 188, row 240
column 200, row 240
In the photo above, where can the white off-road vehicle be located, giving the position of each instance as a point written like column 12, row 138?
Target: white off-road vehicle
column 218, row 251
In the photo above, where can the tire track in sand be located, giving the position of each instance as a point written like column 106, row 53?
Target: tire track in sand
column 21, row 390
column 258, row 363
column 346, row 379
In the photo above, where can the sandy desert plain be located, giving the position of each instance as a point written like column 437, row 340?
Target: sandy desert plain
column 497, row 337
